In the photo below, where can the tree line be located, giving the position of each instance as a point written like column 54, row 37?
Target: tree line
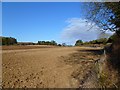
column 13, row 41
column 102, row 41
column 8, row 41
column 47, row 42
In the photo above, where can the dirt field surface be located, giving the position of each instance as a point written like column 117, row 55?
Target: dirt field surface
column 15, row 47
column 56, row 67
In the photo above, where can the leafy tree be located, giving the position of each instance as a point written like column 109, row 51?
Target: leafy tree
column 47, row 42
column 97, row 41
column 8, row 41
column 53, row 42
column 59, row 45
column 112, row 38
column 79, row 42
column 63, row 44
column 102, row 41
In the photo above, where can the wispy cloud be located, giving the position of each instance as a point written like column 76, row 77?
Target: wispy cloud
column 79, row 28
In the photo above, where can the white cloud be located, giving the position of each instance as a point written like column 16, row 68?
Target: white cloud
column 79, row 28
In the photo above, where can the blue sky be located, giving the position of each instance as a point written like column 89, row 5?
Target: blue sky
column 59, row 21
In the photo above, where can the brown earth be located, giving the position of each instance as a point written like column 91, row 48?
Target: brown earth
column 57, row 67
column 16, row 47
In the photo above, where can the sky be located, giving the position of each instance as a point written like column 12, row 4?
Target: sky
column 63, row 22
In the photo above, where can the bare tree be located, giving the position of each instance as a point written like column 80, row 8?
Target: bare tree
column 106, row 15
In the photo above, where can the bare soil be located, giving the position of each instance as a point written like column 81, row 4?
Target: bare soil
column 16, row 47
column 56, row 67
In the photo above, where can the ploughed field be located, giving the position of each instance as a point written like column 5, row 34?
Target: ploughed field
column 48, row 66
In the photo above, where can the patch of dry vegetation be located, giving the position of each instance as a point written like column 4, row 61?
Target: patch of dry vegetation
column 84, row 62
column 111, row 67
column 93, row 69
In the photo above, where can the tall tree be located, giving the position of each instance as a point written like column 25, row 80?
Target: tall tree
column 105, row 15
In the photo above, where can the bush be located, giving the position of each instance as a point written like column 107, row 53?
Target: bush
column 79, row 42
column 8, row 41
column 47, row 42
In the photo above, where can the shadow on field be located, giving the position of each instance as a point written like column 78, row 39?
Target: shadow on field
column 94, row 51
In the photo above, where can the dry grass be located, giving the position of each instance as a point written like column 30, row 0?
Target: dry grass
column 84, row 63
column 110, row 74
